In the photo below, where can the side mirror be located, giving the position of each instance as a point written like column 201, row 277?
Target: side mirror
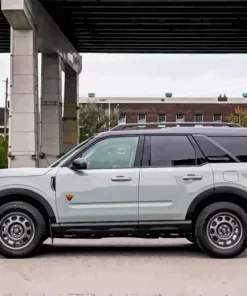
column 79, row 164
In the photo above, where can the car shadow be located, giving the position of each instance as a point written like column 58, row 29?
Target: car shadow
column 188, row 250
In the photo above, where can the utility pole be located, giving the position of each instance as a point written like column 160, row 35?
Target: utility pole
column 6, row 107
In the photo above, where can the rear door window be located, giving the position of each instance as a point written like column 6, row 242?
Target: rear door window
column 170, row 151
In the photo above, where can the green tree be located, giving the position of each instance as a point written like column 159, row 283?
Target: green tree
column 3, row 152
column 239, row 116
column 94, row 118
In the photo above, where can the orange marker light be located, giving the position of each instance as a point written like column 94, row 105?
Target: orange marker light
column 69, row 197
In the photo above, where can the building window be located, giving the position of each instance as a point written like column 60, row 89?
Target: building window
column 198, row 117
column 180, row 117
column 142, row 118
column 218, row 117
column 161, row 118
column 122, row 119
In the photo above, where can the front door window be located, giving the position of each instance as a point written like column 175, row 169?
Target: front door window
column 117, row 152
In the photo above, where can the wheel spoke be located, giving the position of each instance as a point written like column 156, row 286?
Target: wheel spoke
column 4, row 229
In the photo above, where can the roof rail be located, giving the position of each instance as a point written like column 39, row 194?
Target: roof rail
column 160, row 125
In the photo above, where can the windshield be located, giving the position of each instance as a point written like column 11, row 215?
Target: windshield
column 68, row 154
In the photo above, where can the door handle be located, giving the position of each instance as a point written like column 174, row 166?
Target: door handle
column 192, row 177
column 121, row 179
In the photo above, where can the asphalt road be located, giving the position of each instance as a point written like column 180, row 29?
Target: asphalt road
column 120, row 267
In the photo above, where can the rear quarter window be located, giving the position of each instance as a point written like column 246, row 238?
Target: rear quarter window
column 235, row 145
column 212, row 150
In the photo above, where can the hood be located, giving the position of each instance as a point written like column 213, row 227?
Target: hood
column 23, row 172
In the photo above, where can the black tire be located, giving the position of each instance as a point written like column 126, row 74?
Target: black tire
column 191, row 238
column 15, row 211
column 209, row 239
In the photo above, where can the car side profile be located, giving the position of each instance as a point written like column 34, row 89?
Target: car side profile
column 184, row 181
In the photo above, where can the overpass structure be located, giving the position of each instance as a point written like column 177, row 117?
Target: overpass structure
column 60, row 29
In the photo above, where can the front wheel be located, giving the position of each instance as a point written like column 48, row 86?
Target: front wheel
column 221, row 230
column 22, row 229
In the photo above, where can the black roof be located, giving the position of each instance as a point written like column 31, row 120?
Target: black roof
column 208, row 131
column 148, row 26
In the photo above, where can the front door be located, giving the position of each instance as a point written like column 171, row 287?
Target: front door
column 107, row 191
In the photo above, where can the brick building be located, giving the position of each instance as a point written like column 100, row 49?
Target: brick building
column 133, row 110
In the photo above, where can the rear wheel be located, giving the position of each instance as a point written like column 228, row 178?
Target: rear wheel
column 22, row 229
column 221, row 230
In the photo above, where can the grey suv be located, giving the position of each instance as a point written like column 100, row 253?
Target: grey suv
column 186, row 181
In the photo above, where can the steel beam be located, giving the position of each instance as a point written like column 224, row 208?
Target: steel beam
column 93, row 25
column 30, row 15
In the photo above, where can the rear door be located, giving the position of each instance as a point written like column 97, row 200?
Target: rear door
column 173, row 174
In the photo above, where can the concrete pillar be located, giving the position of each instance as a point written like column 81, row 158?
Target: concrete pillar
column 23, row 119
column 51, row 109
column 70, row 121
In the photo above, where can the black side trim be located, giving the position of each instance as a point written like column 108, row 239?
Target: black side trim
column 139, row 152
column 146, row 162
column 97, row 227
column 201, row 197
column 53, row 183
column 34, row 195
column 217, row 190
column 166, row 226
column 232, row 190
column 106, row 229
column 200, row 159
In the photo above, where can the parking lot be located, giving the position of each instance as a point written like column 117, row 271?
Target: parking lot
column 131, row 267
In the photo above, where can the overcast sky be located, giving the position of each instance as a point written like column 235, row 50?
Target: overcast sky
column 154, row 75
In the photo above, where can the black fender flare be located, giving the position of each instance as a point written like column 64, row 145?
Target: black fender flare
column 210, row 192
column 33, row 195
